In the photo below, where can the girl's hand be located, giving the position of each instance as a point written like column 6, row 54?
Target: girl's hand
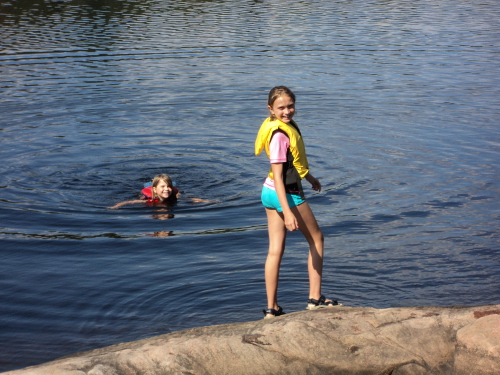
column 291, row 222
column 316, row 185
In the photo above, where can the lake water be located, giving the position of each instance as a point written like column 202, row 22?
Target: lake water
column 399, row 104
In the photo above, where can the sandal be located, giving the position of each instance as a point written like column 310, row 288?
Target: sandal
column 313, row 304
column 271, row 313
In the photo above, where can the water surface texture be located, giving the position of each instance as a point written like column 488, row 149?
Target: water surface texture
column 398, row 102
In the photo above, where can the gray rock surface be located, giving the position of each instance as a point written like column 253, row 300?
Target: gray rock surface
column 338, row 340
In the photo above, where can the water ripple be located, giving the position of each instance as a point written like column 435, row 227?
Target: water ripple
column 398, row 103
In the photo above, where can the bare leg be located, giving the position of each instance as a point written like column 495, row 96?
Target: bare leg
column 277, row 236
column 310, row 228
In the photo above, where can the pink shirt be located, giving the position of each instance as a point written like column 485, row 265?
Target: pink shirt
column 278, row 148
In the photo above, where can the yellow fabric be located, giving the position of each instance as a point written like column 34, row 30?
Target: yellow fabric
column 297, row 147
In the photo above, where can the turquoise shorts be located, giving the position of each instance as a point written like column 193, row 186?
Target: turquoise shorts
column 270, row 199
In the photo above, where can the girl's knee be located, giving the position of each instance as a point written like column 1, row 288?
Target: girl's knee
column 318, row 236
column 275, row 252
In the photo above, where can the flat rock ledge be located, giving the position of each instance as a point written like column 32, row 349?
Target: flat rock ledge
column 338, row 340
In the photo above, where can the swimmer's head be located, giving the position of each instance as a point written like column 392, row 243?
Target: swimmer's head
column 161, row 187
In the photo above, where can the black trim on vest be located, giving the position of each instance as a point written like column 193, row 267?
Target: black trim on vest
column 291, row 178
column 296, row 127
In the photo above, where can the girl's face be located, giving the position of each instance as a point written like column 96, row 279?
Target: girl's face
column 162, row 190
column 283, row 108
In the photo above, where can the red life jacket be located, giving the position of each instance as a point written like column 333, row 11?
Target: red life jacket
column 148, row 194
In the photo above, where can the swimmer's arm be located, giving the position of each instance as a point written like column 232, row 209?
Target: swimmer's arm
column 118, row 205
column 290, row 219
column 199, row 200
column 194, row 200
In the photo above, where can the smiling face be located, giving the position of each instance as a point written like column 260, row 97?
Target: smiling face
column 162, row 191
column 283, row 108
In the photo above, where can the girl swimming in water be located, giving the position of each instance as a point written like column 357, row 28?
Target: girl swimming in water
column 162, row 192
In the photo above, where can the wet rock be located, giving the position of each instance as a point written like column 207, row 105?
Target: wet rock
column 339, row 340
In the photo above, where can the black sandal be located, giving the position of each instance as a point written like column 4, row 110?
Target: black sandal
column 271, row 313
column 313, row 304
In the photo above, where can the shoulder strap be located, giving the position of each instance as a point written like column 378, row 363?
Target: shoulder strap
column 295, row 126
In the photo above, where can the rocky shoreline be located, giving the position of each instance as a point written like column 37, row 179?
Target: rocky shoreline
column 341, row 340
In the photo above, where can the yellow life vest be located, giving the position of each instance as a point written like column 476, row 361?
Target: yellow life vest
column 297, row 147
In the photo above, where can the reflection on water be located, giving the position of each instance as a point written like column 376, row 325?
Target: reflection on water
column 398, row 102
column 163, row 233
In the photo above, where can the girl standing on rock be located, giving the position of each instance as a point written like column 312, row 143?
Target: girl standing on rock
column 284, row 201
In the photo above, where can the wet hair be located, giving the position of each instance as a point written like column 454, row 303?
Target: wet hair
column 156, row 180
column 277, row 92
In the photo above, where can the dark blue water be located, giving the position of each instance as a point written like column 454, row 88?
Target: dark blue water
column 399, row 105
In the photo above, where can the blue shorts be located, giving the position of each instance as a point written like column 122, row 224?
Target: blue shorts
column 270, row 199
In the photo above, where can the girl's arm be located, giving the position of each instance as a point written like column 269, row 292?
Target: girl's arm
column 118, row 205
column 192, row 199
column 199, row 200
column 290, row 220
column 316, row 185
